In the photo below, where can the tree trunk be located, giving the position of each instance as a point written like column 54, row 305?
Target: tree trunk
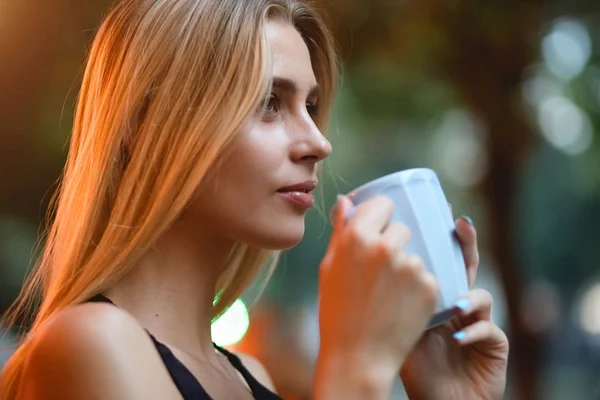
column 485, row 62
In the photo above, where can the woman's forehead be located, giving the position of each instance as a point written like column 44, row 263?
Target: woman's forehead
column 291, row 61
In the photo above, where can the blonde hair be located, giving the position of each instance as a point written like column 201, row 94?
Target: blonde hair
column 167, row 85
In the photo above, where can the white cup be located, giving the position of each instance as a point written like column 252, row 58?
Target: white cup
column 421, row 205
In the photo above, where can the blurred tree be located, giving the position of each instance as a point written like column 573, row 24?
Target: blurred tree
column 401, row 57
column 491, row 46
column 44, row 43
column 482, row 49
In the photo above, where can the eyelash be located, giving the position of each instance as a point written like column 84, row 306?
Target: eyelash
column 271, row 105
column 271, row 100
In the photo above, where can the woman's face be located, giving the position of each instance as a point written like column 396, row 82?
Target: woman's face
column 260, row 194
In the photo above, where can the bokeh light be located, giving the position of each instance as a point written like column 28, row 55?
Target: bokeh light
column 541, row 86
column 567, row 48
column 231, row 327
column 460, row 148
column 565, row 125
column 590, row 310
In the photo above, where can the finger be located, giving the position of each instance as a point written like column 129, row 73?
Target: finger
column 374, row 215
column 433, row 288
column 409, row 266
column 396, row 236
column 467, row 236
column 344, row 204
column 477, row 303
column 480, row 332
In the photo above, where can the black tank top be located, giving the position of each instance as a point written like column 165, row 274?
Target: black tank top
column 187, row 384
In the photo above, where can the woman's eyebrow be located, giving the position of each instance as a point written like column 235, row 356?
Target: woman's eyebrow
column 287, row 85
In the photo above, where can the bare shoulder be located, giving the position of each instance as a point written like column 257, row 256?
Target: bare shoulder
column 94, row 351
column 257, row 370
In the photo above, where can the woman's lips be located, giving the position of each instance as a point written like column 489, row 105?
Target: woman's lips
column 300, row 194
column 301, row 199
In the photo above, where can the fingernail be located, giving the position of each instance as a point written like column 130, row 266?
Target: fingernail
column 462, row 335
column 468, row 219
column 338, row 198
column 462, row 304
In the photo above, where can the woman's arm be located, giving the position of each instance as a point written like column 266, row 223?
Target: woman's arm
column 350, row 377
column 94, row 351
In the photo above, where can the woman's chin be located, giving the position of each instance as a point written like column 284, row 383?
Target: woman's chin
column 278, row 239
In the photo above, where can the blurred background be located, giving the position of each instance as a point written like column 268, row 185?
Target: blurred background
column 500, row 98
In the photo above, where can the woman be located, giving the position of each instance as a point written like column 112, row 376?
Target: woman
column 193, row 157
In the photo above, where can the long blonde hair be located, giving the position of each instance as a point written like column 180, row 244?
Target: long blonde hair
column 167, row 85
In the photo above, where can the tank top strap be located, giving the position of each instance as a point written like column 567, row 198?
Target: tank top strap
column 184, row 380
column 258, row 389
column 187, row 384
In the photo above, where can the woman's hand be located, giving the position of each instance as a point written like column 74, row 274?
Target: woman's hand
column 465, row 358
column 375, row 302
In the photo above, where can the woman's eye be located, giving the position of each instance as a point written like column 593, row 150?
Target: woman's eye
column 313, row 109
column 271, row 104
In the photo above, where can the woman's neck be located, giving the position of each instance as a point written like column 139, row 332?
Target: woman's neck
column 171, row 290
